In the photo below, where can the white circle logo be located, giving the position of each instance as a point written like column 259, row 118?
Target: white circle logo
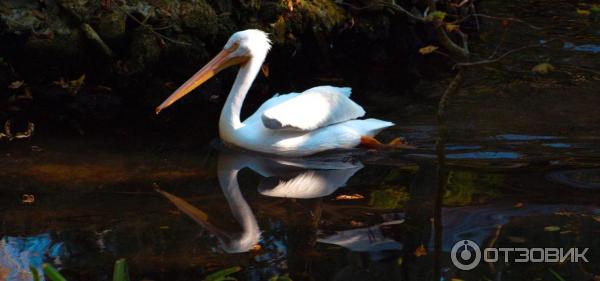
column 466, row 261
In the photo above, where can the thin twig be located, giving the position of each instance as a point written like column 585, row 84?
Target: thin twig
column 498, row 18
column 499, row 58
column 151, row 29
column 499, row 44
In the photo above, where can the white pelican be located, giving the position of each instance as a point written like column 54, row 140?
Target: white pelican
column 295, row 124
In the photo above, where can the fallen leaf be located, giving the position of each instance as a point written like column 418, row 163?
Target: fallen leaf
column 584, row 13
column 543, row 68
column 279, row 29
column 516, row 239
column 16, row 84
column 519, row 205
column 72, row 86
column 551, row 228
column 356, row 223
column 290, row 5
column 597, row 218
column 427, row 50
column 452, row 27
column 421, row 251
column 349, row 197
column 28, row 198
column 265, row 70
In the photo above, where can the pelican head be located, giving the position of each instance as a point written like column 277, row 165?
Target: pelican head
column 241, row 47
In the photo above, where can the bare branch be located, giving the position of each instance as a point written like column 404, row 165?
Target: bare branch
column 499, row 58
column 498, row 18
column 152, row 30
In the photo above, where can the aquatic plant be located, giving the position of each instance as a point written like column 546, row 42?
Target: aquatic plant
column 120, row 272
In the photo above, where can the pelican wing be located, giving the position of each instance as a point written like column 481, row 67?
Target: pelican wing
column 314, row 108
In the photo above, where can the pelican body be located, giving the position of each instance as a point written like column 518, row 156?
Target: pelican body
column 295, row 124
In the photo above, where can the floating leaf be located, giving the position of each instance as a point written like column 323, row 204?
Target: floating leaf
column 420, row 251
column 16, row 84
column 551, row 228
column 223, row 274
column 355, row 196
column 543, row 68
column 28, row 198
column 452, row 27
column 427, row 49
column 584, row 13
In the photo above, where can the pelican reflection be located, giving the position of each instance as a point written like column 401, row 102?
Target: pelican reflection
column 301, row 178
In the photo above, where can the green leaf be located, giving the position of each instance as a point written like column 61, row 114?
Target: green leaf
column 34, row 273
column 120, row 272
column 556, row 275
column 52, row 273
column 437, row 15
column 222, row 274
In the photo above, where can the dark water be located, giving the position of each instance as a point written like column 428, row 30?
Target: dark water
column 523, row 172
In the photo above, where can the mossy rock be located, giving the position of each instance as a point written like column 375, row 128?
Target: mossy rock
column 199, row 18
column 323, row 14
column 85, row 9
column 111, row 25
column 145, row 50
column 58, row 42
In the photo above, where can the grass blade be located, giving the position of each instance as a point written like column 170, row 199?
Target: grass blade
column 52, row 273
column 120, row 272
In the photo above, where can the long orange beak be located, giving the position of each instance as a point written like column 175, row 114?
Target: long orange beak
column 218, row 63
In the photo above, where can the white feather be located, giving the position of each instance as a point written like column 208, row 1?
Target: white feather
column 314, row 108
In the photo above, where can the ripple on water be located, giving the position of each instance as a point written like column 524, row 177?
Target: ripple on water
column 557, row 145
column 585, row 178
column 485, row 155
column 517, row 137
